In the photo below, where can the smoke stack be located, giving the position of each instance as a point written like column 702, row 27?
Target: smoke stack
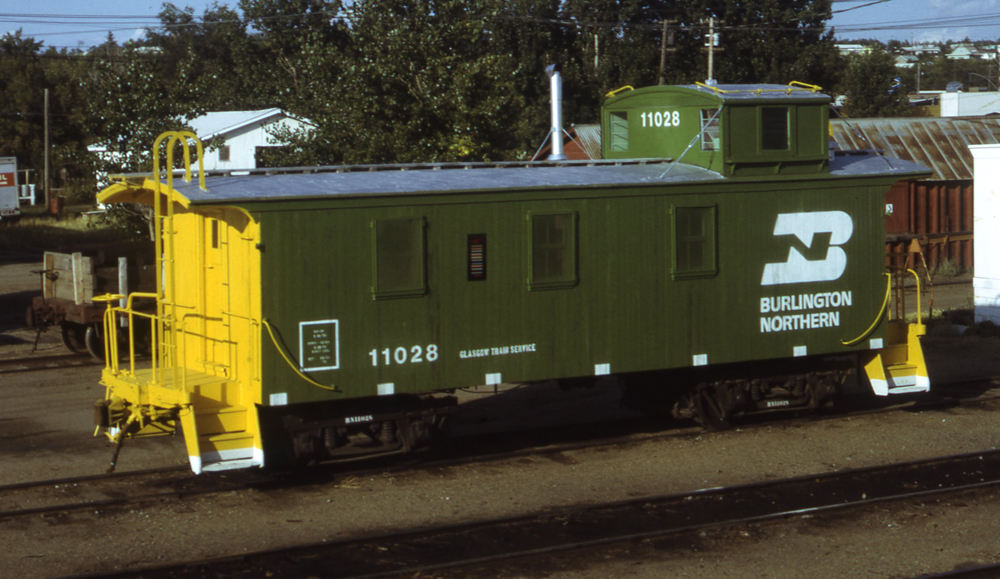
column 555, row 133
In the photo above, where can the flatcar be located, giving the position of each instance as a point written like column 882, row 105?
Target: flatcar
column 720, row 260
column 69, row 281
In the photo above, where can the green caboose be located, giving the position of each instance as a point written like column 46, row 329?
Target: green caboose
column 719, row 259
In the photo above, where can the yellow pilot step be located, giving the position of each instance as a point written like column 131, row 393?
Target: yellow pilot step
column 899, row 368
column 220, row 432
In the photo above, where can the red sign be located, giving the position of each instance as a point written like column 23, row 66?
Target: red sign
column 6, row 179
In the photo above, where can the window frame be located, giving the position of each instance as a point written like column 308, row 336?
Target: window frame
column 572, row 244
column 706, row 115
column 619, row 140
column 788, row 148
column 421, row 290
column 709, row 270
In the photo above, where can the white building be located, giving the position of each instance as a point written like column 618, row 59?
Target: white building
column 921, row 49
column 846, row 49
column 238, row 135
column 241, row 134
column 963, row 51
column 970, row 104
column 986, row 224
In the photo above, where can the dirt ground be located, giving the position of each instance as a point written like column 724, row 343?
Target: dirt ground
column 46, row 432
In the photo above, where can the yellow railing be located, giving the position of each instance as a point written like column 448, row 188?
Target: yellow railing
column 166, row 353
column 792, row 86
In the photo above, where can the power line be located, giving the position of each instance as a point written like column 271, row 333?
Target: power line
column 151, row 23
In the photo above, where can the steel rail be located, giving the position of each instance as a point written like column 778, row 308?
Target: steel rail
column 471, row 453
column 51, row 362
column 90, row 478
column 408, row 541
column 203, row 486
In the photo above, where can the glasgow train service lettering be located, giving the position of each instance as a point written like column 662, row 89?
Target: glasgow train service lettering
column 497, row 351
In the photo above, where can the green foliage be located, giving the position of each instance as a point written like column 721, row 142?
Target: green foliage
column 868, row 85
column 26, row 71
column 392, row 80
column 129, row 106
column 127, row 221
column 937, row 72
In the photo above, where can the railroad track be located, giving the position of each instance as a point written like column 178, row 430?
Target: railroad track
column 37, row 363
column 59, row 498
column 484, row 547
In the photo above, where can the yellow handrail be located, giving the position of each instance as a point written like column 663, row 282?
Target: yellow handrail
column 618, row 90
column 166, row 255
column 805, row 85
column 917, row 277
column 787, row 90
column 292, row 364
column 878, row 318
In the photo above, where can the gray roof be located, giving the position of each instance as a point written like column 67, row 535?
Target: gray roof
column 740, row 92
column 311, row 183
column 941, row 144
column 302, row 183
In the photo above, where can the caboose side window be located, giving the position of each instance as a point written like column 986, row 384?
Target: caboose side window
column 553, row 250
column 400, row 258
column 619, row 132
column 694, row 242
column 774, row 128
column 710, row 134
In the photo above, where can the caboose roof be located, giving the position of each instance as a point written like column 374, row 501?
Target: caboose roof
column 744, row 92
column 235, row 187
column 730, row 93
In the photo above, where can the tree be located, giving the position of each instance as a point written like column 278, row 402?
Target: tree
column 871, row 87
column 206, row 60
column 129, row 106
column 25, row 73
column 428, row 80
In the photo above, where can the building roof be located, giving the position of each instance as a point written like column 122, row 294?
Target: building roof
column 941, row 144
column 589, row 139
column 213, row 124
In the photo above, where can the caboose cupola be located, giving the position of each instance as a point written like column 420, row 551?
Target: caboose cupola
column 736, row 130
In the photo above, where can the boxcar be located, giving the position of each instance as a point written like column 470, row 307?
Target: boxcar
column 720, row 259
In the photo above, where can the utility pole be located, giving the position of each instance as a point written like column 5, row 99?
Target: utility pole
column 45, row 177
column 667, row 39
column 712, row 43
column 663, row 53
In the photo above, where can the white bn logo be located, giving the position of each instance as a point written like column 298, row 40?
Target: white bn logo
column 798, row 269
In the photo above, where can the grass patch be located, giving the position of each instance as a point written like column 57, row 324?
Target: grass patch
column 51, row 233
column 948, row 268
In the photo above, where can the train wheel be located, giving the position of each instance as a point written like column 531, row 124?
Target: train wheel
column 709, row 412
column 94, row 340
column 73, row 337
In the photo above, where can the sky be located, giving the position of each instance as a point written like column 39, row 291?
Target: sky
column 81, row 24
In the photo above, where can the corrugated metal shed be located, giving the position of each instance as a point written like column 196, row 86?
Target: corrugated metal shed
column 941, row 144
column 580, row 143
column 588, row 138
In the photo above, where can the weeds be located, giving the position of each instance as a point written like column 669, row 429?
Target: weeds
column 50, row 233
column 948, row 268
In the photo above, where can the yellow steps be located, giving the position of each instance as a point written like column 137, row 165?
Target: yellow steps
column 219, row 430
column 899, row 368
